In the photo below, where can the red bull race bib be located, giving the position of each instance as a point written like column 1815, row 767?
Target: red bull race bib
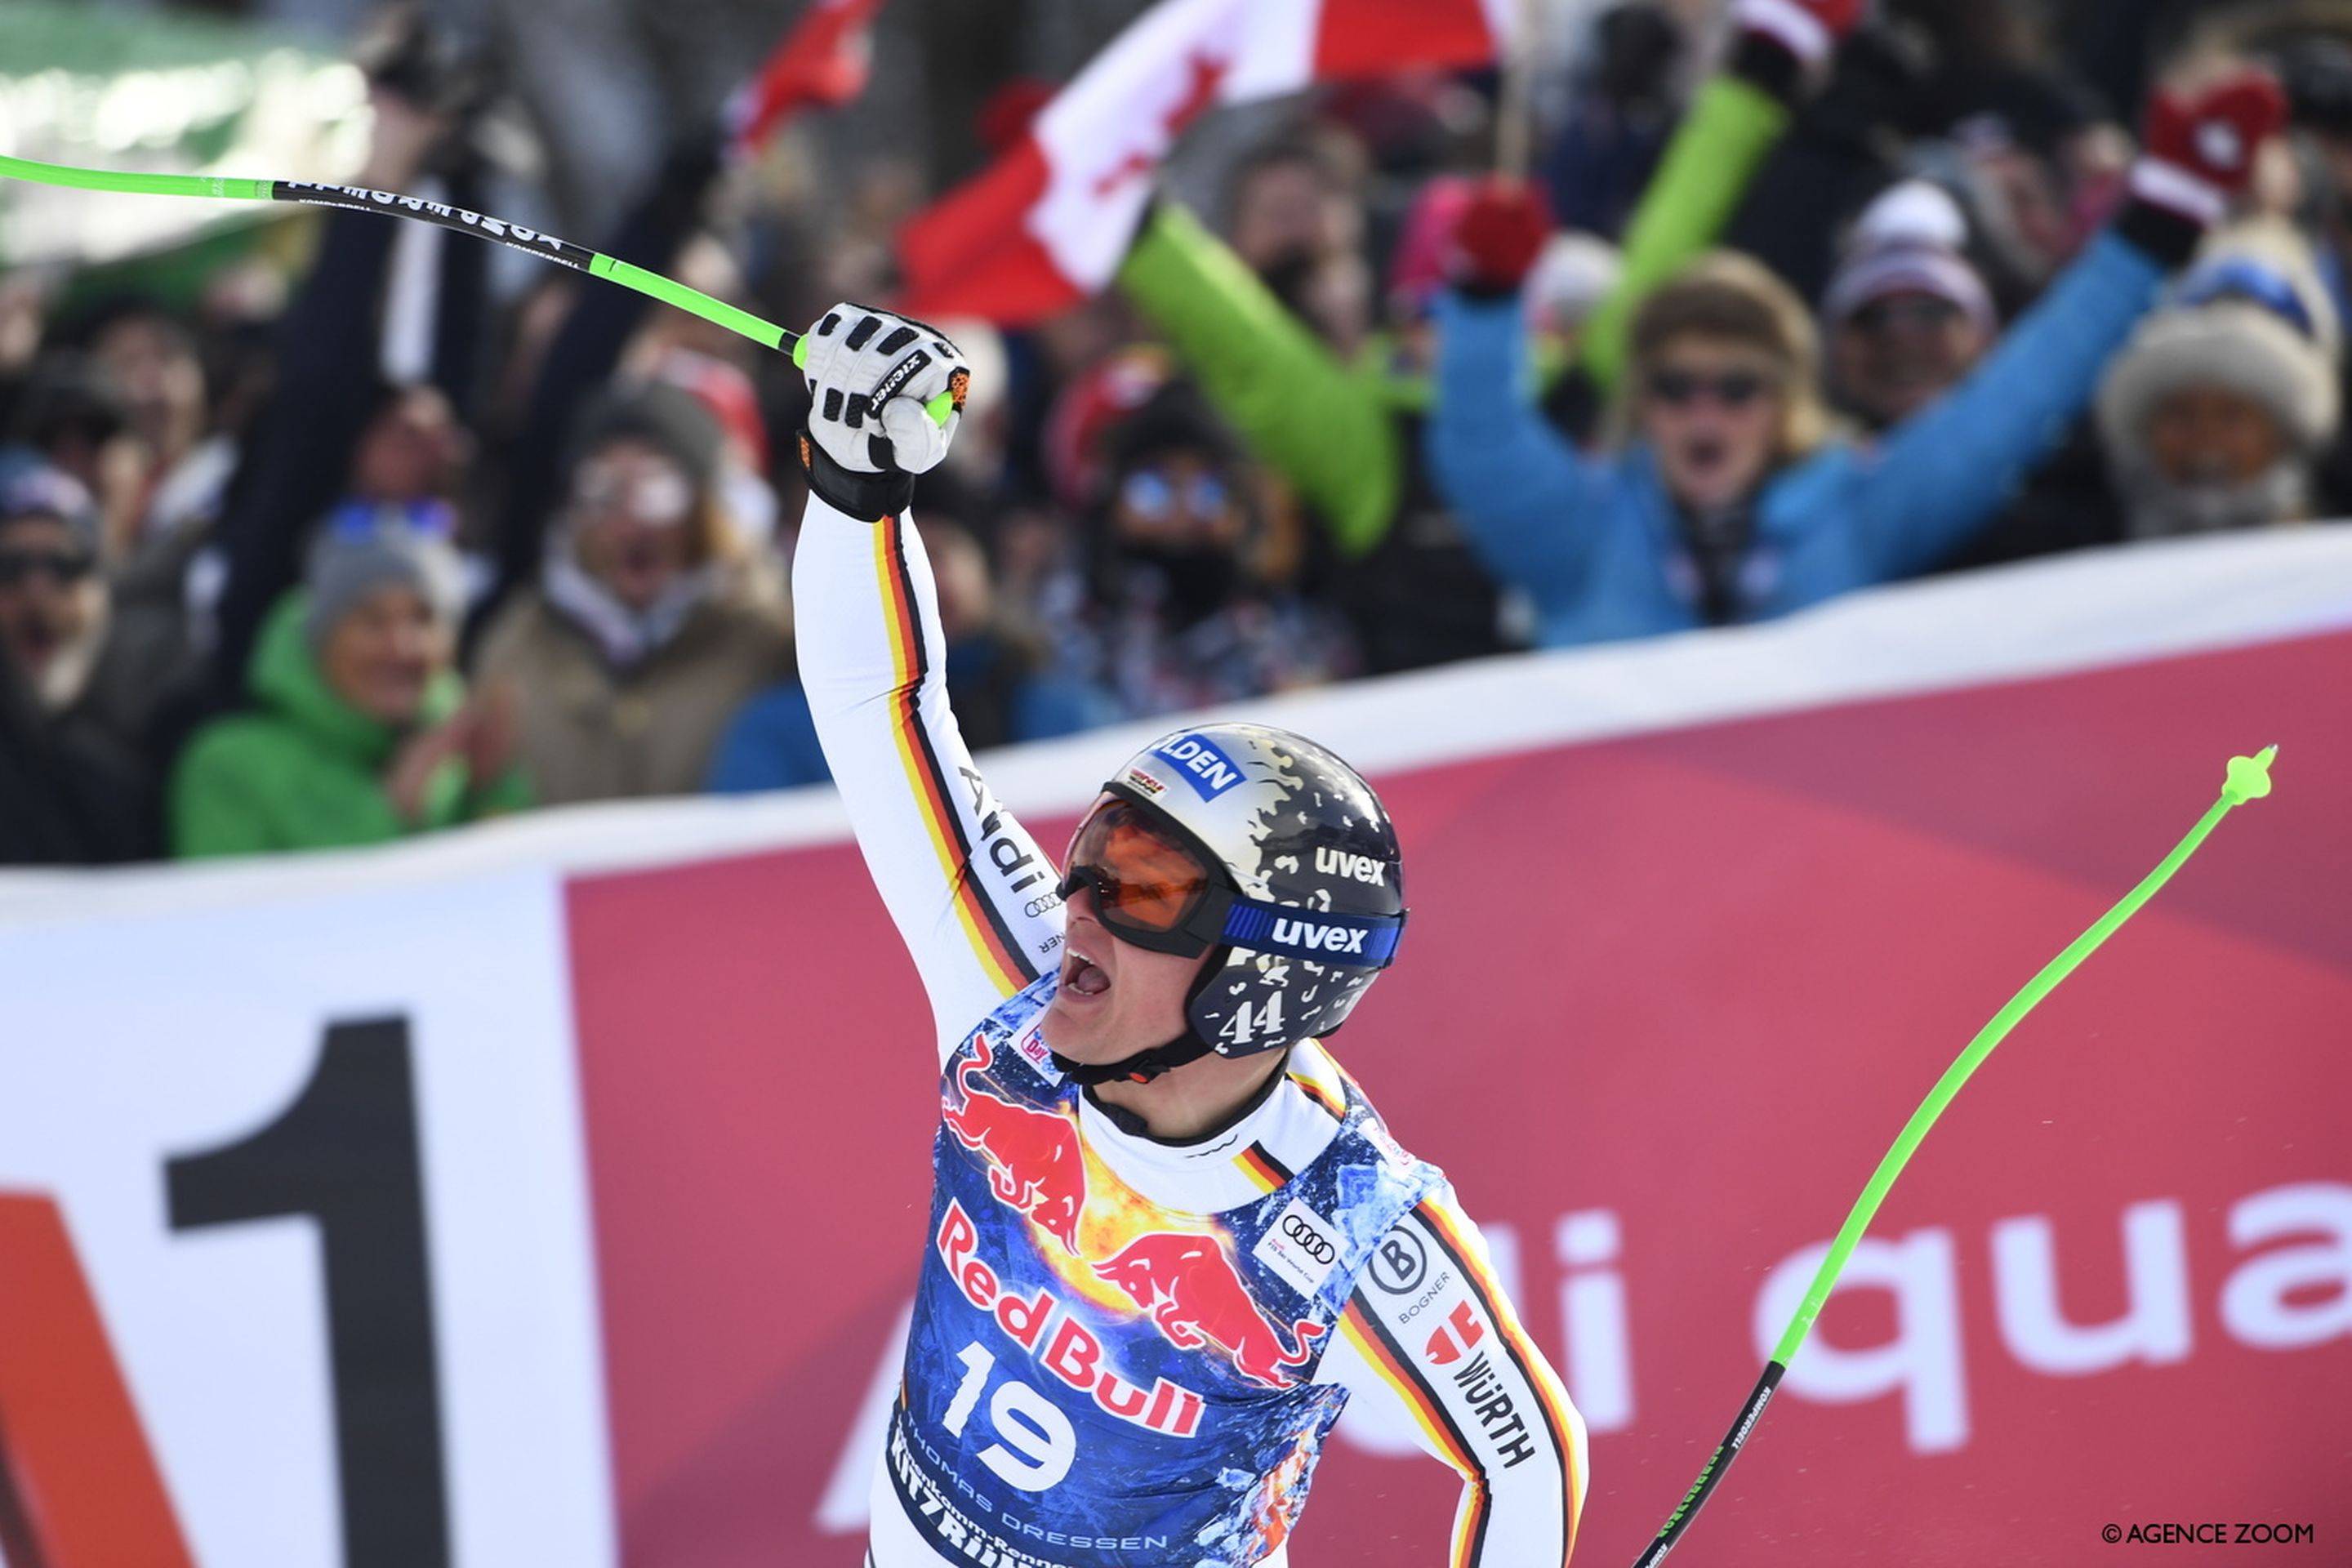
column 1095, row 1379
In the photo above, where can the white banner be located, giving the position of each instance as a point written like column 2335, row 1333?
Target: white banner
column 139, row 1051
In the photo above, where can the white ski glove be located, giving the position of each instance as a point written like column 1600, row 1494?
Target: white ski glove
column 886, row 395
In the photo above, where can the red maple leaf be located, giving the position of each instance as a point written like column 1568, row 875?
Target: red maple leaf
column 1207, row 74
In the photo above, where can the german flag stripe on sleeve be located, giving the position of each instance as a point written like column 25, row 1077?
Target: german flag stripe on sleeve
column 992, row 941
column 1389, row 1360
column 1453, row 1238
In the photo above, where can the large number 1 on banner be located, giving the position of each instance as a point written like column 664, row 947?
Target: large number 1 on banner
column 345, row 1154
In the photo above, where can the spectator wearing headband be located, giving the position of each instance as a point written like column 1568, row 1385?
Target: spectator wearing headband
column 361, row 731
column 646, row 629
column 54, row 605
column 74, row 699
column 2217, row 414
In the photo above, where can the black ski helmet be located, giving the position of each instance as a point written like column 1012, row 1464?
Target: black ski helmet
column 1316, row 906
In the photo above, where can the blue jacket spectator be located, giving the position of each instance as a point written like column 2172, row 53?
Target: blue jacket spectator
column 1668, row 534
column 1729, row 505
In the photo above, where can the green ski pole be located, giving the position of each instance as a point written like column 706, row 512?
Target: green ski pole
column 2248, row 779
column 359, row 198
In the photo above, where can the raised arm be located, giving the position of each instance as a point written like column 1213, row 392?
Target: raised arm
column 581, row 360
column 1734, row 121
column 1313, row 420
column 972, row 894
column 1447, row 1344
column 1530, row 502
column 1945, row 472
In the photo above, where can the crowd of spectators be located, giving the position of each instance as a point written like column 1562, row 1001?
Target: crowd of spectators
column 1791, row 303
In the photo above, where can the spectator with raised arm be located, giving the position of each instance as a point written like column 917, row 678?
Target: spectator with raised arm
column 1729, row 503
column 1343, row 429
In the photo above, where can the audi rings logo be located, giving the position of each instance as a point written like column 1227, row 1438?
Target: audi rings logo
column 1301, row 1231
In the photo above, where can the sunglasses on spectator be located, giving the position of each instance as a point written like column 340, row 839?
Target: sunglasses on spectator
column 658, row 496
column 1903, row 310
column 1681, row 388
column 59, row 567
column 1153, row 498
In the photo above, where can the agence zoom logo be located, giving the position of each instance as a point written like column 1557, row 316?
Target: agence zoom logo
column 2209, row 1532
column 1309, row 1240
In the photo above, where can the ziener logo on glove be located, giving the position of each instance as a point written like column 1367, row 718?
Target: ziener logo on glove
column 900, row 374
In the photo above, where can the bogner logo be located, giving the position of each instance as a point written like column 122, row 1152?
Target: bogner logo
column 1200, row 763
column 1317, row 938
column 1358, row 867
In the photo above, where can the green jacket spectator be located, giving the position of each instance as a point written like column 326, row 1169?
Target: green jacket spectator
column 361, row 733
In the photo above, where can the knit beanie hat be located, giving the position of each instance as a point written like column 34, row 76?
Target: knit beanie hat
column 365, row 545
column 1910, row 240
column 668, row 418
column 2251, row 316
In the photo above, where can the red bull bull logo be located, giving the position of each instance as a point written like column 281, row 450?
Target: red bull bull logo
column 1196, row 1298
column 1034, row 1166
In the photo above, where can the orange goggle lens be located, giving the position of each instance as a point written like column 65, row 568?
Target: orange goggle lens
column 1140, row 877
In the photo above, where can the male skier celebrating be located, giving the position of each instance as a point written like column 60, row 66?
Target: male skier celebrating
column 1168, row 1237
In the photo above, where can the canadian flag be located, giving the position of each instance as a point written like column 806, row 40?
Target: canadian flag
column 825, row 59
column 1047, row 225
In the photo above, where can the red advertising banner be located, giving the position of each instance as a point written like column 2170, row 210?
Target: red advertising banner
column 1665, row 999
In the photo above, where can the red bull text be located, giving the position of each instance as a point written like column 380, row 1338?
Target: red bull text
column 1071, row 1352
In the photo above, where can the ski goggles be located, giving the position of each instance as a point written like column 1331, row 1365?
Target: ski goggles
column 1150, row 887
column 1156, row 887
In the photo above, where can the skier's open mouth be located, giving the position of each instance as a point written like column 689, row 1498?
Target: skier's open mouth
column 1081, row 977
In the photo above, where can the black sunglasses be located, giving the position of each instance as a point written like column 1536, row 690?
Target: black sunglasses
column 1914, row 310
column 17, row 565
column 1680, row 388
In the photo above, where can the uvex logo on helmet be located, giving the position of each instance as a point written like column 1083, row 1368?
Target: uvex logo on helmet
column 1355, row 868
column 1315, row 937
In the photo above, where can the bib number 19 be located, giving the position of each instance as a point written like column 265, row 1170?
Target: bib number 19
column 1041, row 1441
